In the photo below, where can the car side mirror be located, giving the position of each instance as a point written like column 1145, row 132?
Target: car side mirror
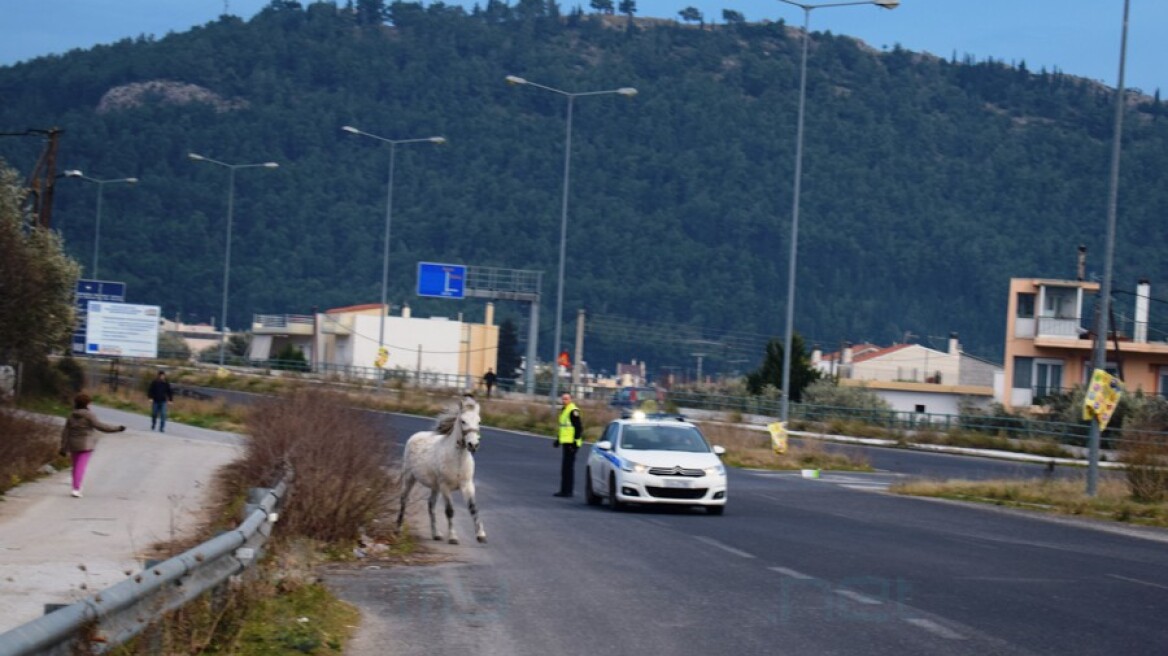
column 719, row 451
column 604, row 445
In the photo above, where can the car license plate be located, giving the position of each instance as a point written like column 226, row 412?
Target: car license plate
column 677, row 482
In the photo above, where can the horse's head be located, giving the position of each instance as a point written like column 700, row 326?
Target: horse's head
column 468, row 423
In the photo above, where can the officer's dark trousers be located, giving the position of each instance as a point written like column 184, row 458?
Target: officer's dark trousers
column 568, row 468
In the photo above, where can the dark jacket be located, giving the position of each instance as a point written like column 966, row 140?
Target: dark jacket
column 78, row 433
column 160, row 391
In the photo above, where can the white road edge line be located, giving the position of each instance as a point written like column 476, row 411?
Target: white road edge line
column 857, row 597
column 724, row 547
column 791, row 573
column 934, row 628
column 1130, row 580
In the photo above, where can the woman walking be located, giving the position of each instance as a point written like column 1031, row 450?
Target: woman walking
column 79, row 440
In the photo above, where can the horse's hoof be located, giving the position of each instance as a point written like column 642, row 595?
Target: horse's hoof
column 437, row 538
column 483, row 539
column 453, row 540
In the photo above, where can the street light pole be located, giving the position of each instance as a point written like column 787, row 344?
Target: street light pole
column 623, row 91
column 1101, row 322
column 74, row 173
column 784, row 408
column 230, row 218
column 393, row 143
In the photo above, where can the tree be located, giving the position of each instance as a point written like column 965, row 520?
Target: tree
column 731, row 17
column 509, row 358
column 172, row 346
column 602, row 6
column 692, row 15
column 629, row 8
column 37, row 281
column 771, row 370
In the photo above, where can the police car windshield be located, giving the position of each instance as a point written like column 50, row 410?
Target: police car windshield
column 663, row 438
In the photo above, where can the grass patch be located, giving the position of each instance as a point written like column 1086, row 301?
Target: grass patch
column 1061, row 496
column 752, row 448
column 974, row 440
column 295, row 619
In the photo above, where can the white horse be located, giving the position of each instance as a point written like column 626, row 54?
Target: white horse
column 441, row 460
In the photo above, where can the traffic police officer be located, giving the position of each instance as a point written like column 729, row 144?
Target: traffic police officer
column 569, row 439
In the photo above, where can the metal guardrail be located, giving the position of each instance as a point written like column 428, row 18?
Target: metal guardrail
column 118, row 613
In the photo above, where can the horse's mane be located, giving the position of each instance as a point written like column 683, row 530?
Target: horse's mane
column 445, row 423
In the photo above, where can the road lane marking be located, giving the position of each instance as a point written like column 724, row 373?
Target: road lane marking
column 785, row 571
column 934, row 628
column 857, row 597
column 1148, row 583
column 724, row 547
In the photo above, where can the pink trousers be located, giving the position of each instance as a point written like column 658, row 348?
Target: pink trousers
column 80, row 462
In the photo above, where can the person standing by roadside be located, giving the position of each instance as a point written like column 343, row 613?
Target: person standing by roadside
column 161, row 394
column 79, row 440
column 569, row 439
column 489, row 380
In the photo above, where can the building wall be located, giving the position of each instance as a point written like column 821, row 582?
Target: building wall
column 911, row 363
column 439, row 340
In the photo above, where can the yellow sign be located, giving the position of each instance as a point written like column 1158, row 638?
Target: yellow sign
column 778, row 437
column 382, row 357
column 1102, row 396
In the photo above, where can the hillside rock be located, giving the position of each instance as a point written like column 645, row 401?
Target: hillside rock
column 163, row 92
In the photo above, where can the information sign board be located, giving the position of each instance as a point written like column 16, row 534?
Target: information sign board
column 441, row 280
column 122, row 329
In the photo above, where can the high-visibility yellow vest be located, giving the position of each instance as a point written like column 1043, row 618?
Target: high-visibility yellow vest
column 567, row 433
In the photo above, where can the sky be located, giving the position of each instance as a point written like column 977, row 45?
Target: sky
column 1077, row 37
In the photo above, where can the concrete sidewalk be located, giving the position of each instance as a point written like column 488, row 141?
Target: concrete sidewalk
column 141, row 488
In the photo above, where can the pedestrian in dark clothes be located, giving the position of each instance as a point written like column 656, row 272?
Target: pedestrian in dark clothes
column 161, row 394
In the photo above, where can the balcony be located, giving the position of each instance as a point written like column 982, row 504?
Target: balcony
column 282, row 324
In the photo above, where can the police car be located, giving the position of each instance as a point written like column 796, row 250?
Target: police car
column 655, row 460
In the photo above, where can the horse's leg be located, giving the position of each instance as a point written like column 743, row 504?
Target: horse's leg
column 433, row 520
column 447, row 497
column 468, row 493
column 407, row 484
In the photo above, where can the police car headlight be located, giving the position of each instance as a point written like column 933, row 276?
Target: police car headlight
column 634, row 467
column 716, row 470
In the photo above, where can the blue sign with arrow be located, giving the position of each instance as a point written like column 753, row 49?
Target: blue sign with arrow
column 441, row 280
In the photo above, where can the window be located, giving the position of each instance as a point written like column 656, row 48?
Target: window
column 919, row 409
column 1025, row 306
column 1023, row 372
column 1163, row 388
column 1060, row 302
column 1048, row 377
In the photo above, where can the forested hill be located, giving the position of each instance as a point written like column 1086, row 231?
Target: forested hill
column 928, row 183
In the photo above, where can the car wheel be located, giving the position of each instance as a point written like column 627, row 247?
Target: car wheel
column 590, row 496
column 613, row 502
column 715, row 510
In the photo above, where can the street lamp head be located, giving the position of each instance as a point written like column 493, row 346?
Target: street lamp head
column 627, row 91
column 195, row 156
column 270, row 165
column 887, row 4
column 438, row 140
column 74, row 173
column 131, row 180
column 351, row 130
column 515, row 79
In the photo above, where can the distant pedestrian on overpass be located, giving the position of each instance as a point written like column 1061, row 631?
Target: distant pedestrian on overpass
column 79, row 440
column 161, row 394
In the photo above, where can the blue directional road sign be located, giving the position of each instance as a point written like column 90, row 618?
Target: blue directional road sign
column 93, row 290
column 441, row 280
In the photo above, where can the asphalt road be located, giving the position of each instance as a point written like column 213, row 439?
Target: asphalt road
column 796, row 566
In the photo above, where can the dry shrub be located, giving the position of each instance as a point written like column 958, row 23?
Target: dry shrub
column 26, row 445
column 1145, row 456
column 341, row 480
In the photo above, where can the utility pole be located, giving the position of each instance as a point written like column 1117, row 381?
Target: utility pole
column 579, row 349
